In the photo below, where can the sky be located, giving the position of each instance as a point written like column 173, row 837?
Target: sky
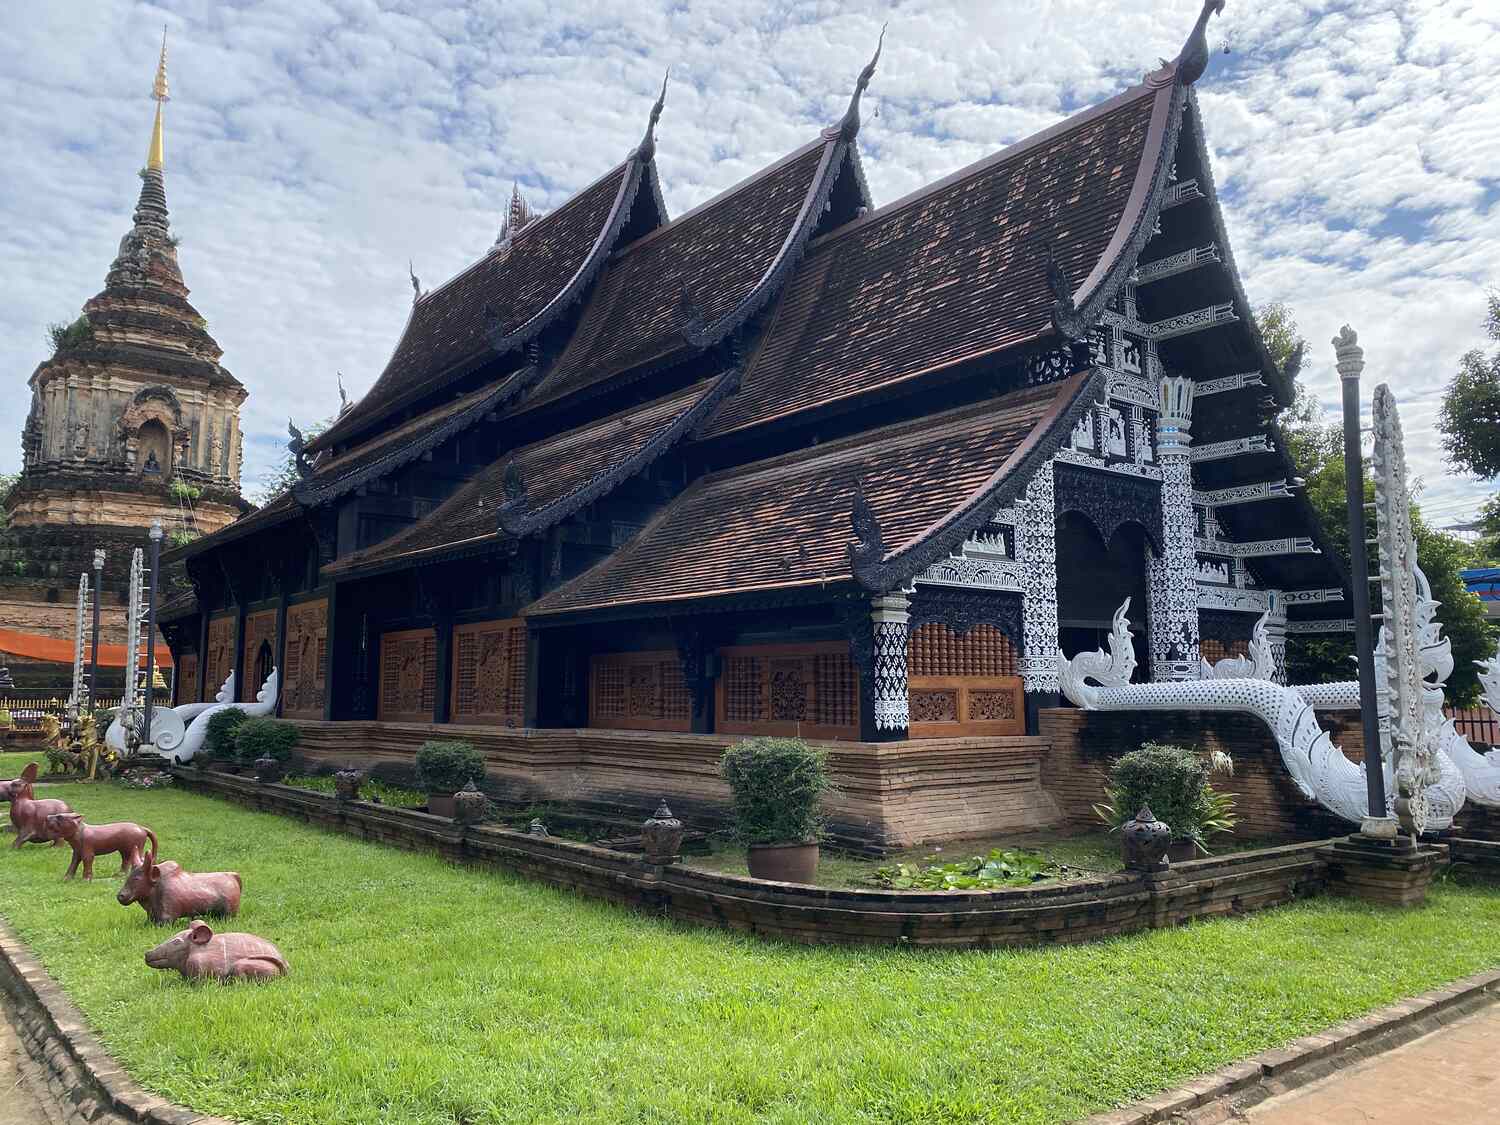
column 314, row 147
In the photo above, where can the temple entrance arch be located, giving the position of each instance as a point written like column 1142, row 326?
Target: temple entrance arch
column 263, row 662
column 1093, row 578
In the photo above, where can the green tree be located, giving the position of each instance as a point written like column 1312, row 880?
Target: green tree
column 1470, row 414
column 283, row 474
column 1317, row 449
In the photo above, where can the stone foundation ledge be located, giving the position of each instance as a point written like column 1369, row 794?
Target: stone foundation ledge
column 1053, row 913
column 70, row 1074
column 1226, row 1094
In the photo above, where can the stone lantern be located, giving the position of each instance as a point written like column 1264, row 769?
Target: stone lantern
column 1146, row 840
column 346, row 783
column 661, row 836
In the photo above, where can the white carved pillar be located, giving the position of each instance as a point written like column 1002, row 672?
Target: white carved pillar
column 1276, row 635
column 1173, row 578
column 890, row 615
column 1036, row 552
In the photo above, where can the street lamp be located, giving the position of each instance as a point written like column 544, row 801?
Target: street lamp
column 1351, row 364
column 151, row 628
column 94, row 657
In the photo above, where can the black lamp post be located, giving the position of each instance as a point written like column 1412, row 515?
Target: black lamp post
column 94, row 657
column 1351, row 364
column 151, row 628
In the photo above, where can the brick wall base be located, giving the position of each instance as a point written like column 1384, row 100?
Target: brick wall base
column 1083, row 743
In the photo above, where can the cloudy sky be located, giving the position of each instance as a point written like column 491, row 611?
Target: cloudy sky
column 314, row 146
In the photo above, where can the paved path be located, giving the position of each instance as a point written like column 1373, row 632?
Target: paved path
column 17, row 1106
column 1446, row 1078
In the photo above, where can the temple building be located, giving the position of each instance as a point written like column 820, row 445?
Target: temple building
column 792, row 462
column 132, row 419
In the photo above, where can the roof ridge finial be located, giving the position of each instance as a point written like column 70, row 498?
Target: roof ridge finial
column 1192, row 60
column 848, row 126
column 155, row 153
column 646, row 151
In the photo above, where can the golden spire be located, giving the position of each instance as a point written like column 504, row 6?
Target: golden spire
column 154, row 154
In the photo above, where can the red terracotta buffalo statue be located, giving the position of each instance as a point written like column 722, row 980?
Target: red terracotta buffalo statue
column 89, row 840
column 166, row 892
column 27, row 814
column 199, row 952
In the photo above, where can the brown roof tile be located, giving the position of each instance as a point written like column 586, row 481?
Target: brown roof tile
column 552, row 469
column 786, row 521
column 955, row 271
column 445, row 334
column 717, row 253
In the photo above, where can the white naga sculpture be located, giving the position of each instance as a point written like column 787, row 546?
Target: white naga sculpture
column 178, row 732
column 1430, row 768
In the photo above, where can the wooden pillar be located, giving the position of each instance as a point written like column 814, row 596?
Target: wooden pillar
column 278, row 650
column 442, row 700
column 331, row 663
column 880, row 643
column 202, row 653
column 530, row 708
column 241, row 693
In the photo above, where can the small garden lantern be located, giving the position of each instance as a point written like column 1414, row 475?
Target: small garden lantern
column 346, row 783
column 469, row 804
column 1146, row 841
column 269, row 769
column 661, row 836
column 537, row 828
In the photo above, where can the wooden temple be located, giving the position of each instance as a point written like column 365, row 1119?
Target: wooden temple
column 792, row 463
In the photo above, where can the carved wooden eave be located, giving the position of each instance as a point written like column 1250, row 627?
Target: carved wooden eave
column 517, row 521
column 884, row 570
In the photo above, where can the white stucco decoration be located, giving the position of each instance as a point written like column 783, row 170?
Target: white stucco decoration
column 1259, row 665
column 197, row 730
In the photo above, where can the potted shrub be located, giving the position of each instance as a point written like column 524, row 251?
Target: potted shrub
column 218, row 740
column 778, row 786
column 265, row 744
column 443, row 768
column 1174, row 782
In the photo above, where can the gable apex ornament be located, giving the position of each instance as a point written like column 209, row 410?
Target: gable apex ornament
column 1192, row 60
column 848, row 127
column 868, row 549
column 646, row 151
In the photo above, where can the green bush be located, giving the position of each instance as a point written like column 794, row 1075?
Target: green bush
column 1174, row 782
column 219, row 741
column 259, row 737
column 778, row 786
column 446, row 767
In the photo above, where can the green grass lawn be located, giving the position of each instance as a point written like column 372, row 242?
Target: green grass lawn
column 13, row 762
column 428, row 993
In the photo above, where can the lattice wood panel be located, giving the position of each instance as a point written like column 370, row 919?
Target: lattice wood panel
column 408, row 676
column 810, row 689
column 305, row 674
column 1214, row 650
column 187, row 678
column 936, row 650
column 639, row 691
column 218, row 660
column 963, row 683
column 489, row 673
column 260, row 628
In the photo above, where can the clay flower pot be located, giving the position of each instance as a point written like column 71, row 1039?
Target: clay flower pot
column 469, row 805
column 269, row 770
column 784, row 863
column 661, row 836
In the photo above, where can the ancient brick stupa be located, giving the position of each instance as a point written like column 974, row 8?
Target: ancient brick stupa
column 132, row 419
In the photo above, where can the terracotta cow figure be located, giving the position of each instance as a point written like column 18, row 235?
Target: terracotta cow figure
column 27, row 814
column 199, row 952
column 166, row 892
column 90, row 840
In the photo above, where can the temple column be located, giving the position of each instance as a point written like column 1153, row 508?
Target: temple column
column 1172, row 579
column 1036, row 551
column 889, row 617
column 1276, row 635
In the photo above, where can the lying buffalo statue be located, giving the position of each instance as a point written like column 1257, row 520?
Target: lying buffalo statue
column 166, row 892
column 199, row 952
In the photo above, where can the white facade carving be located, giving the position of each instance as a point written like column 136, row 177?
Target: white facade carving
column 1177, row 264
column 1234, row 447
column 1036, row 553
column 890, row 616
column 1230, row 383
column 1242, row 494
column 1172, row 588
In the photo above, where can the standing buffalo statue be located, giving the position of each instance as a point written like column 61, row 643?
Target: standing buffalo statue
column 90, row 840
column 27, row 814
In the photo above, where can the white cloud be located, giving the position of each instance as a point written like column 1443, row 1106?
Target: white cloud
column 313, row 146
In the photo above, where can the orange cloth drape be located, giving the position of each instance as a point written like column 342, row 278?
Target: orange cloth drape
column 59, row 650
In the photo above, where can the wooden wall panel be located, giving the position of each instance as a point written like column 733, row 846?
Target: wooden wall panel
column 639, row 691
column 810, row 690
column 489, row 673
column 303, row 678
column 260, row 628
column 218, row 661
column 963, row 683
column 408, row 676
column 187, row 678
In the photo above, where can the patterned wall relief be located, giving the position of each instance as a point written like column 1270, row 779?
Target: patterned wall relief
column 408, row 676
column 489, row 673
column 306, row 659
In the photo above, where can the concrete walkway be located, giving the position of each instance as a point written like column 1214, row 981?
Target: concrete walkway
column 17, row 1106
column 1446, row 1078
